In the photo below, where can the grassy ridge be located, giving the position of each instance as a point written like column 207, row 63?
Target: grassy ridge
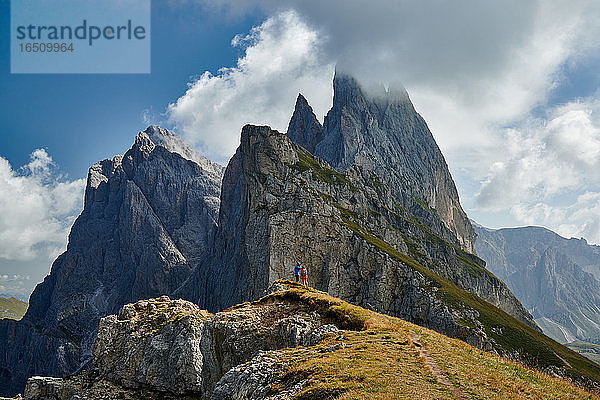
column 512, row 335
column 12, row 308
column 307, row 162
column 380, row 362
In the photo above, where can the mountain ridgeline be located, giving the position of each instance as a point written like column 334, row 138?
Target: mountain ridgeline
column 557, row 279
column 366, row 201
column 293, row 343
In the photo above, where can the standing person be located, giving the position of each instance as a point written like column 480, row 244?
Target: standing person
column 297, row 269
column 304, row 276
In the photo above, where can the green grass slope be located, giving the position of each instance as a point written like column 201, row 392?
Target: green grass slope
column 381, row 360
column 589, row 350
column 511, row 335
column 12, row 308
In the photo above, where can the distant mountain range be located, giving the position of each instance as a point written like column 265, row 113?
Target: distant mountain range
column 556, row 279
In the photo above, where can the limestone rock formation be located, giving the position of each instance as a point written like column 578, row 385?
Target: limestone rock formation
column 380, row 131
column 280, row 205
column 149, row 217
column 170, row 349
column 152, row 343
column 253, row 381
column 162, row 348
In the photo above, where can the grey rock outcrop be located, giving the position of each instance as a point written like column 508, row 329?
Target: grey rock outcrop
column 320, row 333
column 162, row 349
column 86, row 385
column 543, row 270
column 153, row 343
column 235, row 336
column 252, row 381
column 149, row 217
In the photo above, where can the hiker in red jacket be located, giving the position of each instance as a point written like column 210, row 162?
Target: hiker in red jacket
column 304, row 276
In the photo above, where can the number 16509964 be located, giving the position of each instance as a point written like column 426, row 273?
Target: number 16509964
column 46, row 47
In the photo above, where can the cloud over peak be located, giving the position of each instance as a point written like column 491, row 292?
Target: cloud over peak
column 282, row 57
column 484, row 75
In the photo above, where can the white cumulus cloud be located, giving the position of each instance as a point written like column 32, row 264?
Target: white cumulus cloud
column 281, row 57
column 546, row 157
column 37, row 209
column 482, row 74
column 549, row 174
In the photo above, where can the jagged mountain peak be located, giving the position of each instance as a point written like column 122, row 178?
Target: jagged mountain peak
column 377, row 128
column 378, row 131
column 301, row 102
column 149, row 216
column 156, row 136
column 349, row 90
column 304, row 127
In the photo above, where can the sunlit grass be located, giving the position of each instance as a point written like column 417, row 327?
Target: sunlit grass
column 379, row 361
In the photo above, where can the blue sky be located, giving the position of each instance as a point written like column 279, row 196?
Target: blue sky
column 82, row 118
column 510, row 90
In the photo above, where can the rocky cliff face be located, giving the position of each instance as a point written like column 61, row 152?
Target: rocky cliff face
column 162, row 348
column 149, row 217
column 380, row 131
column 543, row 270
column 280, row 205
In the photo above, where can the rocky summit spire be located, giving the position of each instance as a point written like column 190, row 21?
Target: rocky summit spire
column 175, row 144
column 378, row 130
column 304, row 127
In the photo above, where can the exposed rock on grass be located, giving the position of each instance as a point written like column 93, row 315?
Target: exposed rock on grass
column 295, row 343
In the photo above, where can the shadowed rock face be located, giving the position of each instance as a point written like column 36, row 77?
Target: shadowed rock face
column 148, row 217
column 380, row 131
column 555, row 278
column 304, row 127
